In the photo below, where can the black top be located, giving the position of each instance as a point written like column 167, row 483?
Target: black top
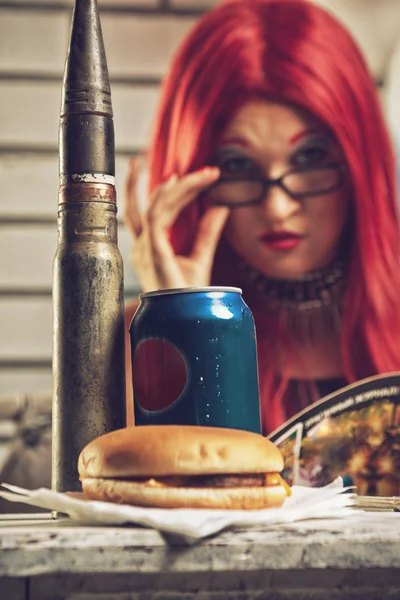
column 300, row 394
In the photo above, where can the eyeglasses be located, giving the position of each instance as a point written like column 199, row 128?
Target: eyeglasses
column 299, row 183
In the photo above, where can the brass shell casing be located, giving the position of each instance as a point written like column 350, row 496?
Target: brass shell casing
column 88, row 327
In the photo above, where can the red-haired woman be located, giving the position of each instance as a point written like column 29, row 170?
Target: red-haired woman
column 271, row 169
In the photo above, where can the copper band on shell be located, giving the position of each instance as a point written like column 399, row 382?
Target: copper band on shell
column 87, row 192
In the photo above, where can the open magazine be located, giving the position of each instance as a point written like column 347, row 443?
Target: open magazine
column 354, row 433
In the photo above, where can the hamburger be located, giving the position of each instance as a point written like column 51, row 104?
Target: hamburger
column 172, row 466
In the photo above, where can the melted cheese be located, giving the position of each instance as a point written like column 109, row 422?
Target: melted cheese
column 168, row 482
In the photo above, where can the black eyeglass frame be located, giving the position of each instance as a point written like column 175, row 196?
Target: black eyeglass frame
column 268, row 183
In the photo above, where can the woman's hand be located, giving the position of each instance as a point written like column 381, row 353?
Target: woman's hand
column 154, row 260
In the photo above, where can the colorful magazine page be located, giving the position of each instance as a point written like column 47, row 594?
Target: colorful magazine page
column 353, row 433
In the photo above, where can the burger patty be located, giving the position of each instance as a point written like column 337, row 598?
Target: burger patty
column 212, row 481
column 227, row 481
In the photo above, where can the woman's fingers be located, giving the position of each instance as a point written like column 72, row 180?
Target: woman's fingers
column 153, row 254
column 131, row 209
column 198, row 179
column 209, row 234
column 172, row 197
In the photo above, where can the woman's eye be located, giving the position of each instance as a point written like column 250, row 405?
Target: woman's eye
column 237, row 165
column 310, row 156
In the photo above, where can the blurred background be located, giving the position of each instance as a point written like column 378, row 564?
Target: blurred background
column 140, row 37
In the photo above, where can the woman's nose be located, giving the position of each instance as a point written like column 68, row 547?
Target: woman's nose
column 278, row 205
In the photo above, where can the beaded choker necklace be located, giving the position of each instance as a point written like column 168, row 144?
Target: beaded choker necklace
column 321, row 288
column 305, row 315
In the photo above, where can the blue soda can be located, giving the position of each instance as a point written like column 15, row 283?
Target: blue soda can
column 194, row 359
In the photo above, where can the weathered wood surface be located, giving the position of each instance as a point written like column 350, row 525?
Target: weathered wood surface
column 315, row 560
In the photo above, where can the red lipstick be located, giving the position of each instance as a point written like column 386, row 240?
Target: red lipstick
column 281, row 240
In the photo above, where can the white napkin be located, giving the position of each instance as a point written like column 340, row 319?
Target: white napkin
column 192, row 525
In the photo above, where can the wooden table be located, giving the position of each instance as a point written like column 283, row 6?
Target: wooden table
column 356, row 558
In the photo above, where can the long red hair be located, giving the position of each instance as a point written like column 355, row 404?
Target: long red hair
column 292, row 51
